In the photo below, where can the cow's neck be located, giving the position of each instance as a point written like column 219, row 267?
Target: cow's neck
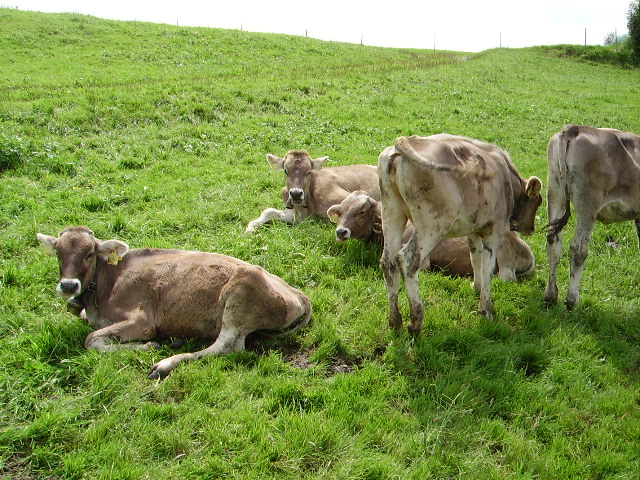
column 99, row 285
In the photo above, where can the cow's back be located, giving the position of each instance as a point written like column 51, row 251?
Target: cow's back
column 331, row 185
column 606, row 161
column 180, row 290
column 471, row 179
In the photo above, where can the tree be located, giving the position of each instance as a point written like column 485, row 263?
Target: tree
column 610, row 39
column 633, row 23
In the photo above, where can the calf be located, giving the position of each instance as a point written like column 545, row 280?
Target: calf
column 311, row 190
column 599, row 170
column 139, row 295
column 448, row 186
column 360, row 216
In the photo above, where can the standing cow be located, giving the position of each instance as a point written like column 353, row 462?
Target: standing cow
column 139, row 295
column 448, row 186
column 360, row 216
column 598, row 169
column 311, row 190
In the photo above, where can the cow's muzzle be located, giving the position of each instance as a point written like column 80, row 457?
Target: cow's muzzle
column 342, row 234
column 68, row 287
column 296, row 195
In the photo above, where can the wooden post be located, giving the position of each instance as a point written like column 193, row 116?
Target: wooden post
column 585, row 36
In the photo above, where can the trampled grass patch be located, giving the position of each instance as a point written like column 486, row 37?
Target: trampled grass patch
column 156, row 135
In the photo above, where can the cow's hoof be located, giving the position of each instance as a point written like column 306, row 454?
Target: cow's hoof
column 150, row 346
column 550, row 301
column 395, row 323
column 156, row 372
column 414, row 329
column 570, row 304
column 487, row 313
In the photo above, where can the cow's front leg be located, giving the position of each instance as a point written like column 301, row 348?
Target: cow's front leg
column 269, row 215
column 137, row 328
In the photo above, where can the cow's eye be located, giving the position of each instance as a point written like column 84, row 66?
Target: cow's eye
column 89, row 256
column 286, row 174
column 307, row 174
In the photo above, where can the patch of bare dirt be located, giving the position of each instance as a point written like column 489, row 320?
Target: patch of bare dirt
column 294, row 354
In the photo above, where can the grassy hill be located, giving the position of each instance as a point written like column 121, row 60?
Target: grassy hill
column 157, row 135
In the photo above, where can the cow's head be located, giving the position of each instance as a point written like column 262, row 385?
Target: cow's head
column 358, row 216
column 524, row 213
column 297, row 165
column 78, row 251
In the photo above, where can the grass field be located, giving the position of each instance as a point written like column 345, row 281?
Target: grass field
column 156, row 135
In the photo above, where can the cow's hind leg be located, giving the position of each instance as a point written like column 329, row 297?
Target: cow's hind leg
column 578, row 253
column 393, row 227
column 230, row 339
column 410, row 258
column 638, row 229
column 557, row 207
column 250, row 301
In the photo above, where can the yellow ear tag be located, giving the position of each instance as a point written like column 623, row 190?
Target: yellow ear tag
column 113, row 258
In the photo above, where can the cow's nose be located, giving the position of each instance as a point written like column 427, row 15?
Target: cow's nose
column 342, row 233
column 69, row 286
column 296, row 194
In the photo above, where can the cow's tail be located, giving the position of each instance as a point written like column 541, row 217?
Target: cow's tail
column 403, row 145
column 559, row 174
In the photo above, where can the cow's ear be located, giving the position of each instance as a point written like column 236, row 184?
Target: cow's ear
column 110, row 246
column 276, row 163
column 377, row 205
column 534, row 187
column 48, row 242
column 318, row 162
column 334, row 213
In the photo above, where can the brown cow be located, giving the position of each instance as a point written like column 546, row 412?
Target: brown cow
column 311, row 190
column 139, row 295
column 599, row 170
column 360, row 216
column 448, row 186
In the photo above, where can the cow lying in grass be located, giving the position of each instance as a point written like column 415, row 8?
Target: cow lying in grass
column 311, row 190
column 360, row 216
column 448, row 186
column 139, row 295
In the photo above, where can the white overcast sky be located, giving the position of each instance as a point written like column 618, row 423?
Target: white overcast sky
column 454, row 25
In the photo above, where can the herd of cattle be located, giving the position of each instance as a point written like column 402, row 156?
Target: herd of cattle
column 447, row 202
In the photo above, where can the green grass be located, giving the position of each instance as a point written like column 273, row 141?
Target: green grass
column 157, row 135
